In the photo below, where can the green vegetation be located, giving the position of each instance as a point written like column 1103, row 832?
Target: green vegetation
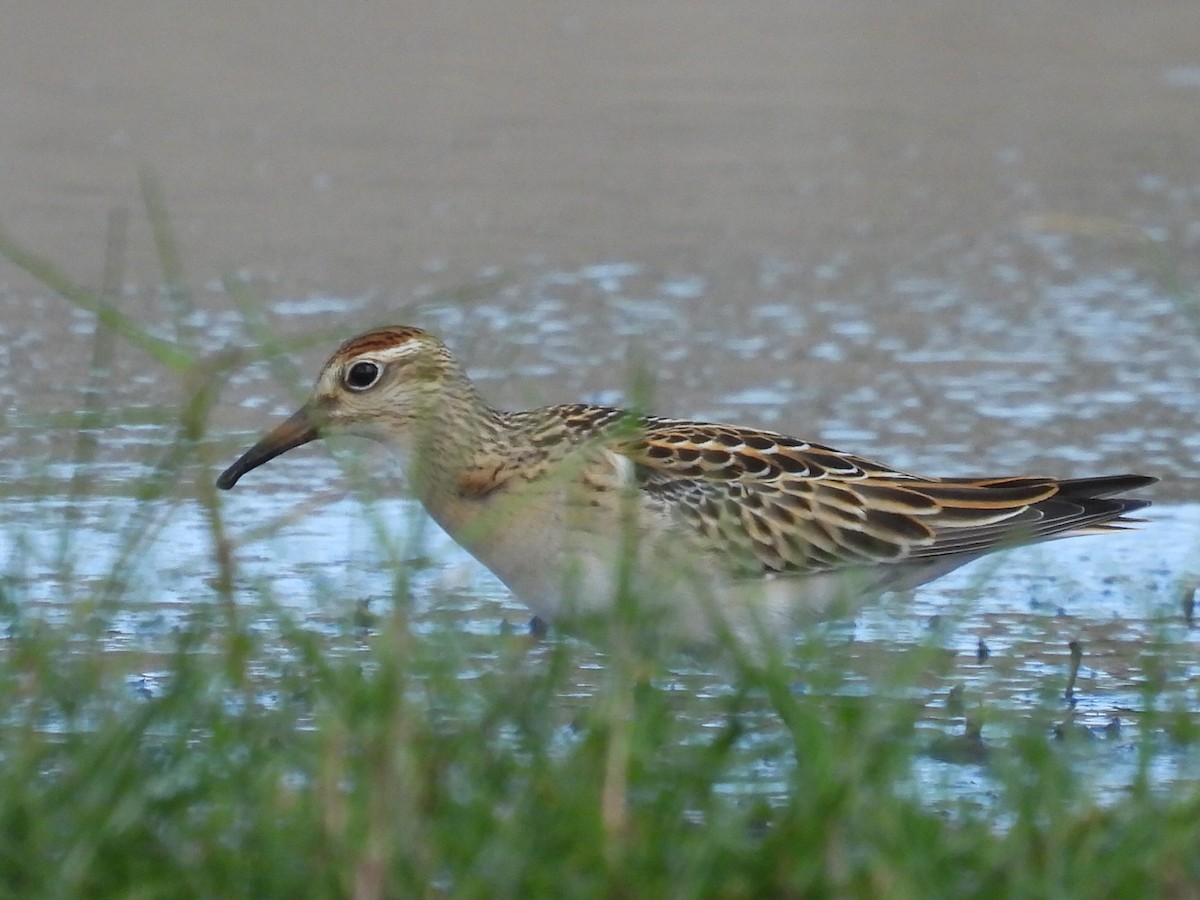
column 376, row 758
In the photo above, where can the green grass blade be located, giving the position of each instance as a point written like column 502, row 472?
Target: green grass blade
column 164, row 352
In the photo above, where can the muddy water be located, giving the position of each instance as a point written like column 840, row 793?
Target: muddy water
column 962, row 239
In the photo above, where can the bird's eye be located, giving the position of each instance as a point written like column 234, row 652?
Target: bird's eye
column 362, row 375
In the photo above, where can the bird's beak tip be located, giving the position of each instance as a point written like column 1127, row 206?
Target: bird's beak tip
column 296, row 431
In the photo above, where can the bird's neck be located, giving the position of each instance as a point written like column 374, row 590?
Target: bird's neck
column 453, row 442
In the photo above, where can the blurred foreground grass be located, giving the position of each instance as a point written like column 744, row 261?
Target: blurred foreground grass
column 271, row 759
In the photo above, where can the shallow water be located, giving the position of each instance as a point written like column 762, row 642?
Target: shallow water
column 329, row 562
column 1097, row 373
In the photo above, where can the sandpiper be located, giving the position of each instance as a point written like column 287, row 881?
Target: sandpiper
column 713, row 527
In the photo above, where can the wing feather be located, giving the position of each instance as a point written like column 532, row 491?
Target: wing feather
column 773, row 503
